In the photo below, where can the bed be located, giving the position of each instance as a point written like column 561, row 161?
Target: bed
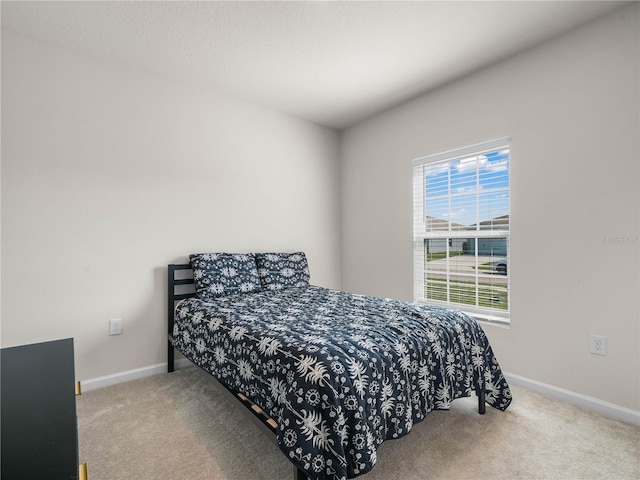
column 332, row 374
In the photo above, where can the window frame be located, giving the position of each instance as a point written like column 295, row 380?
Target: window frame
column 421, row 233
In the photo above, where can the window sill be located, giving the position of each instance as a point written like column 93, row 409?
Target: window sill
column 480, row 317
column 488, row 319
column 502, row 323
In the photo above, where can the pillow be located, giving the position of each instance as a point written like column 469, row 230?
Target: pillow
column 218, row 274
column 282, row 270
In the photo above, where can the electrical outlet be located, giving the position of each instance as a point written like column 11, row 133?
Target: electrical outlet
column 115, row 326
column 598, row 345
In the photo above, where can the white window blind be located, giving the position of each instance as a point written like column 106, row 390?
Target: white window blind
column 461, row 216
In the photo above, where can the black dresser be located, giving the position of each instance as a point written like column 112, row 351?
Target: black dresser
column 39, row 425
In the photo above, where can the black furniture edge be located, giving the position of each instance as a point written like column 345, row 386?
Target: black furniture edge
column 39, row 420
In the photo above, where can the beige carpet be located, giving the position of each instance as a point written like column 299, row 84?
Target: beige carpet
column 176, row 426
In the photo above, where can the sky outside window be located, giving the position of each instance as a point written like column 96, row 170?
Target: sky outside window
column 469, row 190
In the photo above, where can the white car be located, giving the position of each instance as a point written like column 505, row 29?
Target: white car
column 499, row 266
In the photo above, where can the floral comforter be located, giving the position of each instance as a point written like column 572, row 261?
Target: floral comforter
column 339, row 372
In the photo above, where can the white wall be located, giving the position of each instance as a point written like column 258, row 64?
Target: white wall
column 571, row 108
column 108, row 174
column 91, row 152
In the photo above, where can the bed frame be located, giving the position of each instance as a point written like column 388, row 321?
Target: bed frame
column 180, row 289
column 183, row 288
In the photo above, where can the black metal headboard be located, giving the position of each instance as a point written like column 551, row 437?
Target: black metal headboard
column 174, row 294
column 180, row 287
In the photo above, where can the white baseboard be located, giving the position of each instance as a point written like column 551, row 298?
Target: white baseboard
column 605, row 408
column 129, row 375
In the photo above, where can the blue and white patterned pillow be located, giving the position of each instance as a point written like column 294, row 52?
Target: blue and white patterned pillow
column 282, row 270
column 218, row 274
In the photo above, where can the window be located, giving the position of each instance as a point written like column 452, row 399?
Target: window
column 461, row 212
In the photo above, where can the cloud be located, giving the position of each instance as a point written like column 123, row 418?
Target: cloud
column 468, row 164
column 436, row 168
column 497, row 165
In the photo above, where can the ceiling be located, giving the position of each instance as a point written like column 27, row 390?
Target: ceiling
column 332, row 63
